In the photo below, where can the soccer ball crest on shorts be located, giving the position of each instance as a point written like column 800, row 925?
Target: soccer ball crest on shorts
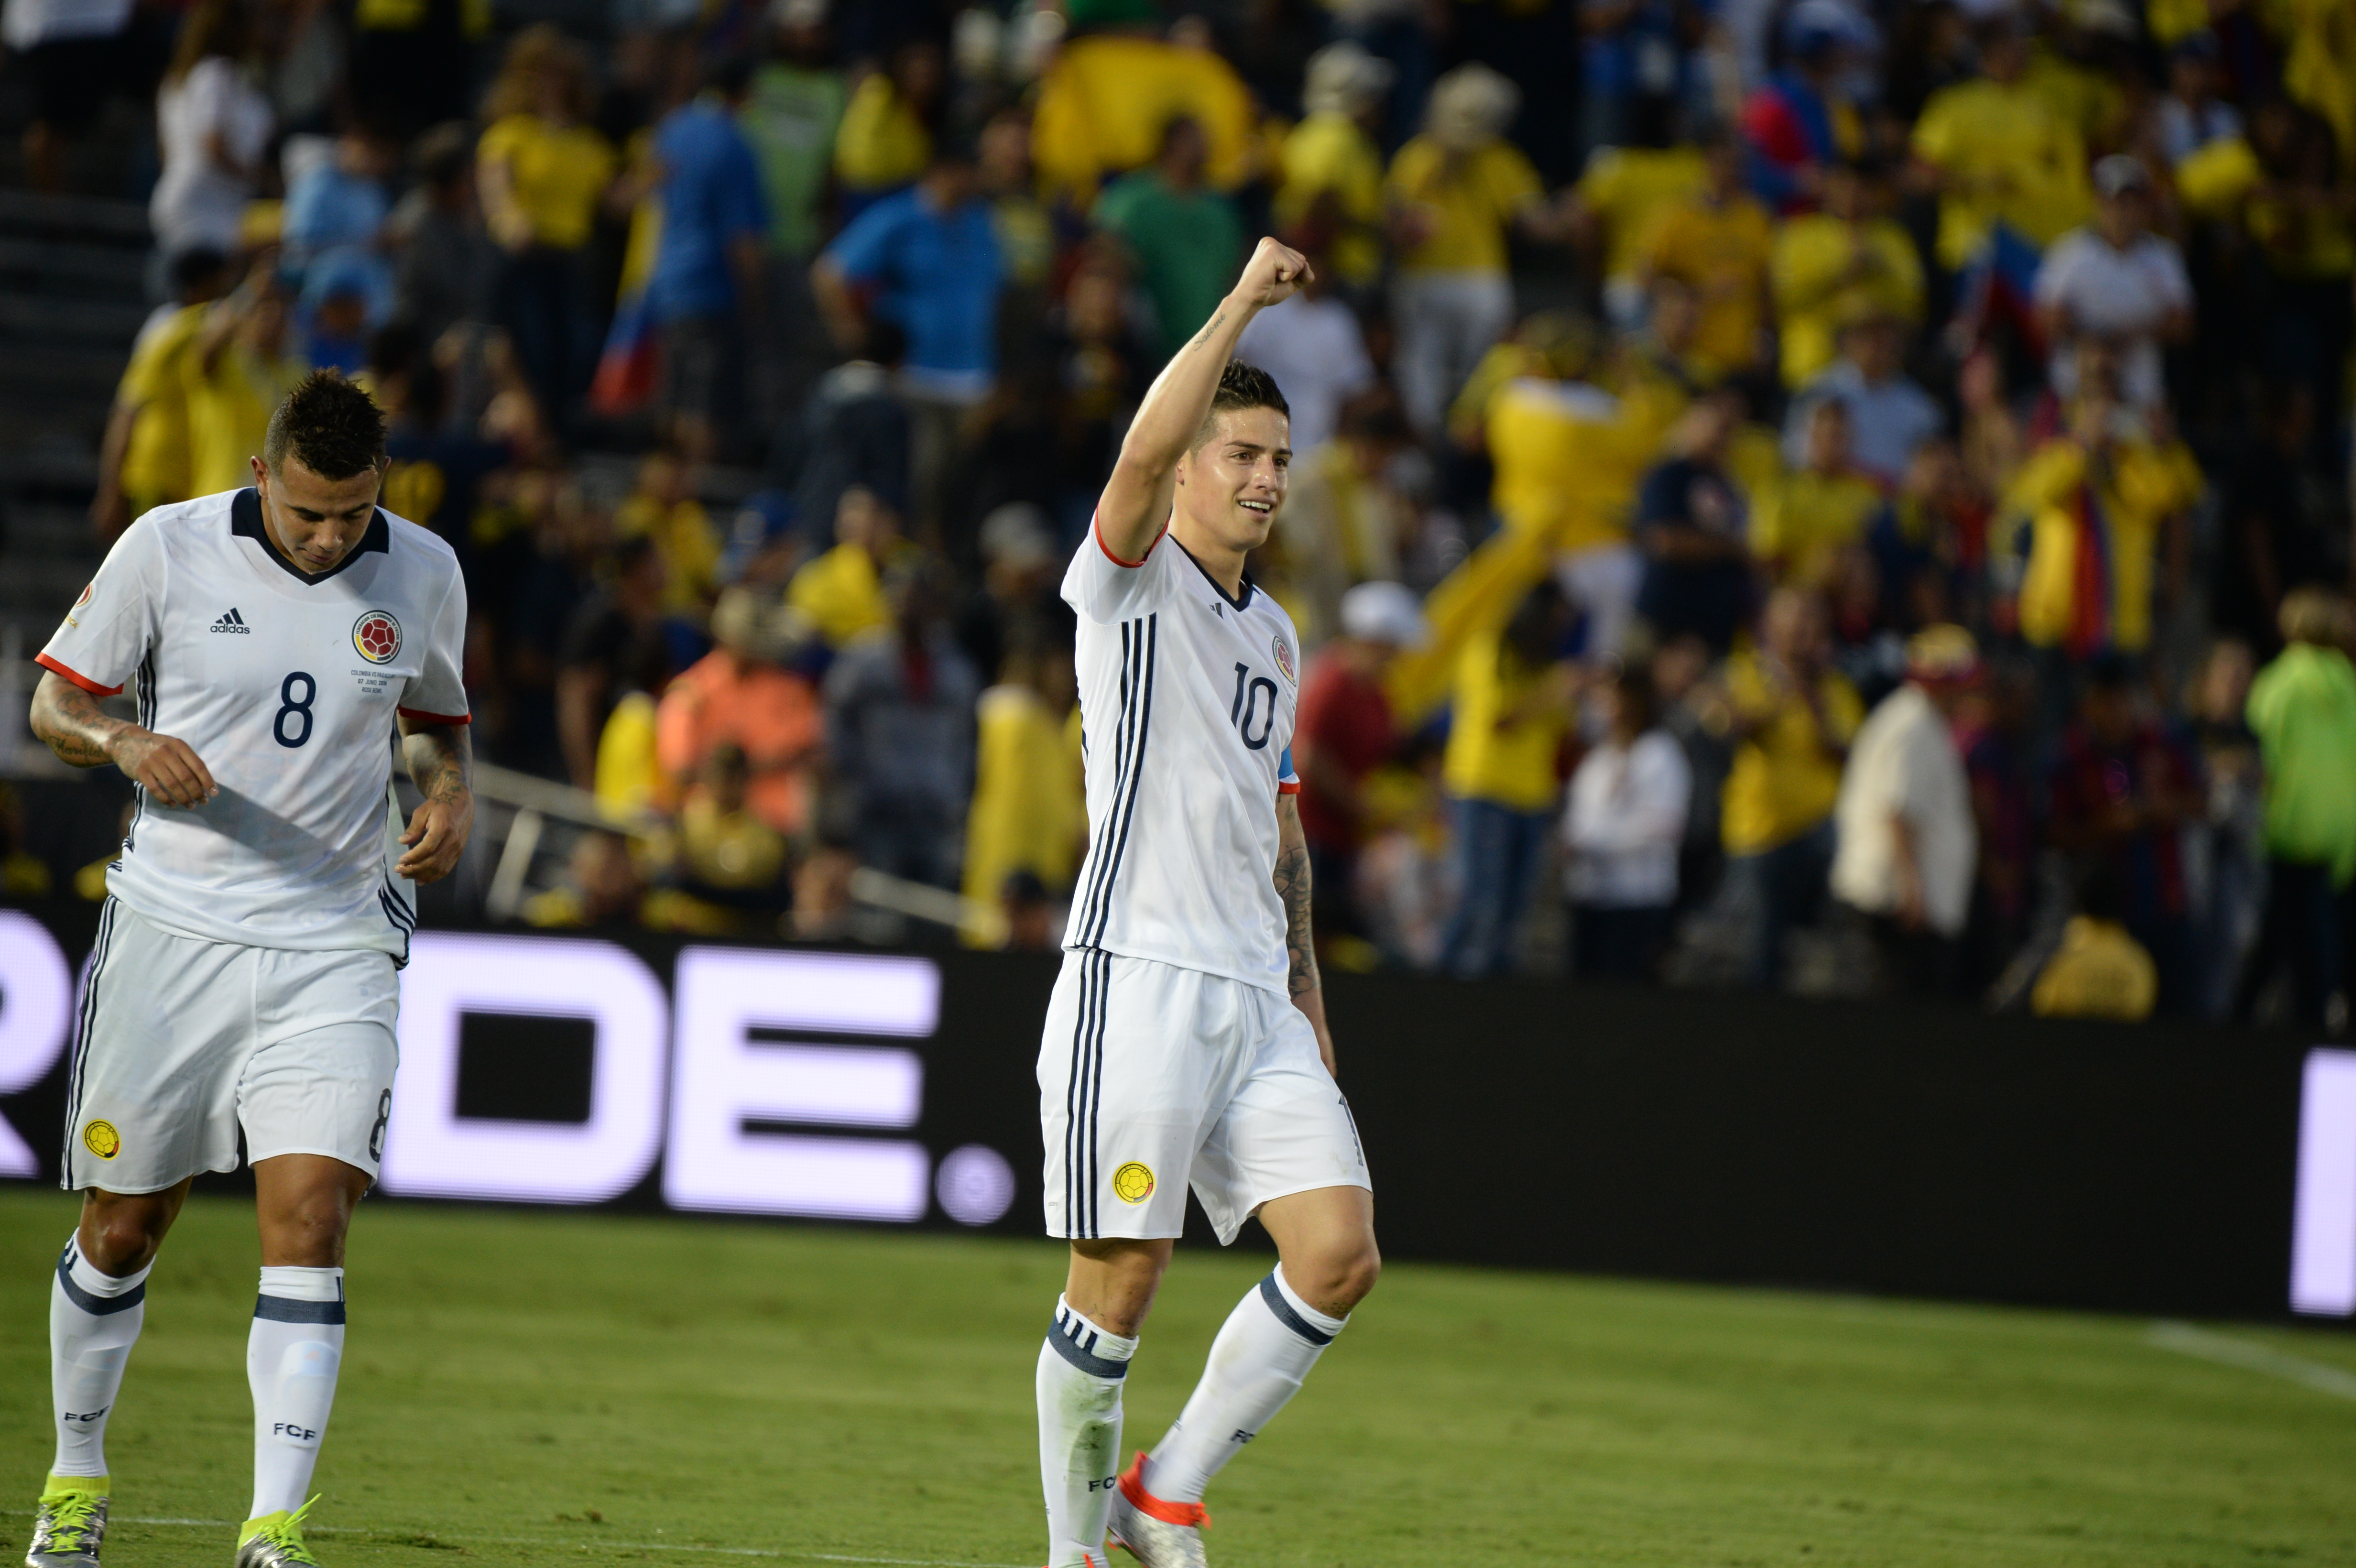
column 1132, row 1183
column 101, row 1139
column 377, row 636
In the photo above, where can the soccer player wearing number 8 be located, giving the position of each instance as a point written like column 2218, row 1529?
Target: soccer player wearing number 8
column 1185, row 1044
column 243, row 978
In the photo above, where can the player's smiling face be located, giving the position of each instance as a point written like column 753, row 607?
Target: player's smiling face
column 315, row 522
column 1231, row 486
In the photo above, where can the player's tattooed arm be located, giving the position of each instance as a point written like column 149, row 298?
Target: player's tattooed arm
column 1307, row 985
column 83, row 735
column 442, row 764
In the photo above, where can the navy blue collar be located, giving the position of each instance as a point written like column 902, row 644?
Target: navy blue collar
column 1238, row 605
column 245, row 521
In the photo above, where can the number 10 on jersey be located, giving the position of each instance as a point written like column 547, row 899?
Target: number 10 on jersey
column 1247, row 707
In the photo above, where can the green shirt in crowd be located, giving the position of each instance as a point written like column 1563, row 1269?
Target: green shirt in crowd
column 790, row 116
column 1187, row 246
column 2303, row 710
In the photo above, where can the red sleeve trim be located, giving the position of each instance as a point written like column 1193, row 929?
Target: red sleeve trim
column 1096, row 528
column 1284, row 788
column 47, row 662
column 435, row 718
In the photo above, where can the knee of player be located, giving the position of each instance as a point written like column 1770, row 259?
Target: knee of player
column 1337, row 1279
column 1358, row 1274
column 309, row 1234
column 120, row 1240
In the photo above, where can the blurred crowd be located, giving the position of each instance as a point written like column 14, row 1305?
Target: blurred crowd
column 1830, row 494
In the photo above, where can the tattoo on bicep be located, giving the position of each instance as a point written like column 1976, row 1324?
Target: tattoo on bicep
column 1299, row 946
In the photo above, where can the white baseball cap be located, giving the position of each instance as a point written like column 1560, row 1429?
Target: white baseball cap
column 1384, row 613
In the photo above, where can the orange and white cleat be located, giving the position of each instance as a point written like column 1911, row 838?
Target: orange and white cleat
column 1158, row 1533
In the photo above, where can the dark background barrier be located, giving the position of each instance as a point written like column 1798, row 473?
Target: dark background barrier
column 1690, row 1134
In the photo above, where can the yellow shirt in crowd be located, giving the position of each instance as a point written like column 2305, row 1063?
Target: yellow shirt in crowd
column 1568, row 457
column 1628, row 188
column 2319, row 61
column 559, row 174
column 2225, row 179
column 840, row 592
column 1827, row 272
column 2141, row 484
column 1107, row 97
column 686, row 541
column 1508, row 762
column 1465, row 201
column 1721, row 251
column 1784, row 779
column 2099, row 972
column 1800, row 521
column 629, row 776
column 229, row 413
column 1030, row 811
column 1329, row 153
column 155, row 460
column 2008, row 157
column 881, row 143
column 2086, row 99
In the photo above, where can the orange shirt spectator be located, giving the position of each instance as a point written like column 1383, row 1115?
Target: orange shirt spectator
column 740, row 693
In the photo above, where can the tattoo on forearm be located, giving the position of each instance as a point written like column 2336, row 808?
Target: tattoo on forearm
column 1209, row 327
column 78, row 729
column 438, row 763
column 1299, row 946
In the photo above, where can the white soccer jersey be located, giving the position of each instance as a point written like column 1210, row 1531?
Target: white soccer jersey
column 287, row 686
column 1187, row 700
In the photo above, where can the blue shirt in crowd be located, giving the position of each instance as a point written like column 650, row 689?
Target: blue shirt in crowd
column 332, row 220
column 711, row 194
column 936, row 276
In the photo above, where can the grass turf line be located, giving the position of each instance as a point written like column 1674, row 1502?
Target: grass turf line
column 739, row 1391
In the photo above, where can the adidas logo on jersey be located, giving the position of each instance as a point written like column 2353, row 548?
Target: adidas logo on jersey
column 233, row 623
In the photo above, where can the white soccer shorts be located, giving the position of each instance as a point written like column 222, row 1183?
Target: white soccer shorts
column 183, row 1040
column 1153, row 1078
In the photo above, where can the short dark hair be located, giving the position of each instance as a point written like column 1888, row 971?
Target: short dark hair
column 1241, row 386
column 334, row 426
column 731, row 75
column 197, row 268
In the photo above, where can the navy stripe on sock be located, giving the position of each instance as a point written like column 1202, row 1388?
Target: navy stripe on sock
column 1287, row 1315
column 1060, row 1336
column 96, row 1305
column 279, row 1309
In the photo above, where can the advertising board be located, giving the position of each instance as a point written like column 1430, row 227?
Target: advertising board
column 1692, row 1134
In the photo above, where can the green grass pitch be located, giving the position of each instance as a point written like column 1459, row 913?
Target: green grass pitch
column 563, row 1388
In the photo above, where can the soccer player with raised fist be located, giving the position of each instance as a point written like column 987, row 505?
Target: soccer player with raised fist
column 1185, row 1044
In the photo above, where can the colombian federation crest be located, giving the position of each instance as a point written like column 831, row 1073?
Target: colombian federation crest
column 377, row 636
column 1284, row 660
column 1132, row 1183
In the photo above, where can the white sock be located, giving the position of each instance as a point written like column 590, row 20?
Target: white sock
column 290, row 1362
column 1264, row 1349
column 93, row 1321
column 1080, row 1370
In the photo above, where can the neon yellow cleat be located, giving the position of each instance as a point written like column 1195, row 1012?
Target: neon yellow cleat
column 275, row 1540
column 69, row 1523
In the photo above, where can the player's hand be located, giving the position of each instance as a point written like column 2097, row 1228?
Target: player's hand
column 436, row 837
column 165, row 765
column 1273, row 273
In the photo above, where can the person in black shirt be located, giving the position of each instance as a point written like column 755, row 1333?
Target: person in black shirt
column 1693, row 528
